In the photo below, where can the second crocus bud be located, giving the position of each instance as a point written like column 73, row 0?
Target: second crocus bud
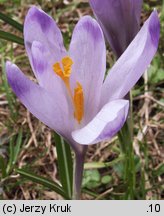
column 120, row 21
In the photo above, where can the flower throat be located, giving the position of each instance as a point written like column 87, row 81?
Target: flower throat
column 77, row 99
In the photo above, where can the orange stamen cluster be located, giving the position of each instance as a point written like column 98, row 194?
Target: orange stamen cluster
column 64, row 73
column 78, row 102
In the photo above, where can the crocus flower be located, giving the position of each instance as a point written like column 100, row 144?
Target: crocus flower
column 120, row 21
column 71, row 96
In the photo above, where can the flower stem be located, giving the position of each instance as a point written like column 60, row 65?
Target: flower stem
column 78, row 172
column 126, row 143
column 129, row 165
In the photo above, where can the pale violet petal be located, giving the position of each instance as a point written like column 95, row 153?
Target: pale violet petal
column 51, row 109
column 87, row 49
column 43, row 69
column 133, row 62
column 104, row 125
column 43, row 37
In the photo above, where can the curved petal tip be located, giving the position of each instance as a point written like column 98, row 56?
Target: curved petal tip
column 16, row 79
column 8, row 64
column 37, row 15
column 154, row 27
column 105, row 124
column 91, row 26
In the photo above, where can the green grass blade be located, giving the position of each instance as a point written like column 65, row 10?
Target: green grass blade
column 43, row 181
column 11, row 37
column 65, row 164
column 102, row 165
column 11, row 155
column 159, row 171
column 3, row 166
column 11, row 22
column 17, row 147
column 14, row 149
column 10, row 98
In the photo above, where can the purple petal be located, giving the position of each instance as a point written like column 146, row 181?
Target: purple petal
column 119, row 19
column 88, row 52
column 133, row 62
column 51, row 109
column 42, row 66
column 39, row 63
column 105, row 125
column 41, row 28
